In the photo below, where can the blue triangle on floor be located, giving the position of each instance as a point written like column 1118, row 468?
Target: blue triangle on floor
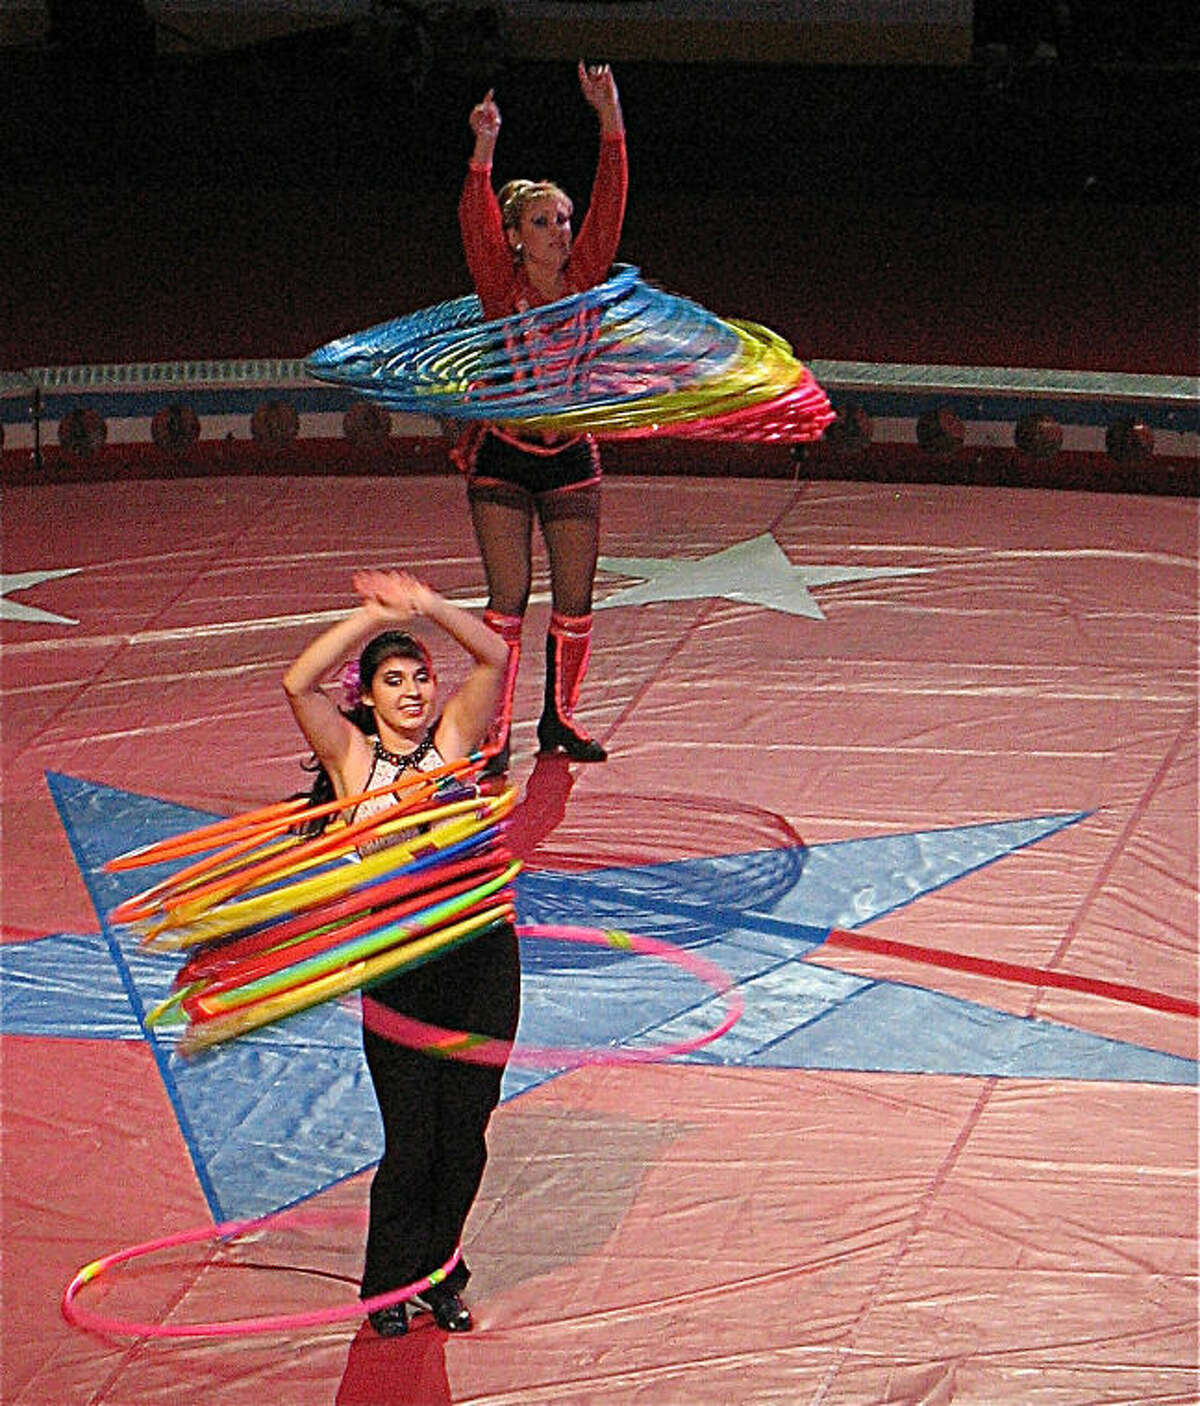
column 277, row 1116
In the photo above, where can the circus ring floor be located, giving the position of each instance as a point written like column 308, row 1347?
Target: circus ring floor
column 958, row 718
column 906, row 745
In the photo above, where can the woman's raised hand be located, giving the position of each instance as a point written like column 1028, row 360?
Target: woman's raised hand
column 599, row 88
column 395, row 594
column 485, row 121
column 598, row 84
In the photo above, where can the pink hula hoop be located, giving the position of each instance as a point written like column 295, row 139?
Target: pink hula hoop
column 453, row 1044
column 471, row 1048
column 74, row 1312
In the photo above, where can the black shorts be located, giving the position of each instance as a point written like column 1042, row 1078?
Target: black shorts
column 536, row 471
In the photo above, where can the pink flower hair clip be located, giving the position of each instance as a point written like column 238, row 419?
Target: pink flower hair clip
column 351, row 685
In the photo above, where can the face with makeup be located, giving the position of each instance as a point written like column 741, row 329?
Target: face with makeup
column 400, row 688
column 542, row 234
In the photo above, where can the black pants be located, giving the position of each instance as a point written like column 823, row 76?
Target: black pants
column 435, row 1111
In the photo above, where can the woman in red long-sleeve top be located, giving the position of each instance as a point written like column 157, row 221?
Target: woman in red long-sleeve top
column 521, row 254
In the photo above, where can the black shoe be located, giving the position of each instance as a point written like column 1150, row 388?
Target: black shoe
column 554, row 735
column 390, row 1322
column 449, row 1311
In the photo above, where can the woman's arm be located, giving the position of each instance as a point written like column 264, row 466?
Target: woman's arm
column 337, row 744
column 468, row 712
column 484, row 244
column 595, row 246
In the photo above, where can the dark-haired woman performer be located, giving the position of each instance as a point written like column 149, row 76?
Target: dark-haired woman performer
column 435, row 1112
column 520, row 251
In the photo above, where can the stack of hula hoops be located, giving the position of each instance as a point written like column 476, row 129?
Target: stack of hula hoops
column 272, row 918
column 622, row 360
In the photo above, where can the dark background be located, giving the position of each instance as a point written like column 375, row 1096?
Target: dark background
column 1034, row 207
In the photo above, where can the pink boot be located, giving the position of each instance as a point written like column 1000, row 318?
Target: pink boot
column 508, row 627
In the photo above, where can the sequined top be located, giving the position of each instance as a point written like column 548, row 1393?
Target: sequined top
column 387, row 767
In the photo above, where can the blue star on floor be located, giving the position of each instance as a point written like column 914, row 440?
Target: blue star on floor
column 280, row 1115
column 754, row 572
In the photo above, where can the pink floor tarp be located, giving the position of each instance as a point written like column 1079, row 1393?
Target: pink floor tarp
column 959, row 719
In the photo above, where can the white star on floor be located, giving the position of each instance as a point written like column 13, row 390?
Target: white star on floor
column 756, row 572
column 21, row 581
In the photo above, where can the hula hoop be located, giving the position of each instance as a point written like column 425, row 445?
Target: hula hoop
column 294, row 858
column 436, row 1042
column 765, row 370
column 410, row 953
column 80, row 1317
column 471, row 1048
column 317, row 926
column 220, row 875
column 272, row 922
column 244, row 958
column 197, row 922
column 621, row 359
column 381, row 931
column 275, row 819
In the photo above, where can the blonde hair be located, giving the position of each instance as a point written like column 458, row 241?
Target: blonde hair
column 514, row 196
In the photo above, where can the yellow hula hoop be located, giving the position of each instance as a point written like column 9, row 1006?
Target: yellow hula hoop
column 156, row 899
column 286, row 940
column 170, row 936
column 144, row 904
column 305, row 854
column 261, row 825
column 388, row 934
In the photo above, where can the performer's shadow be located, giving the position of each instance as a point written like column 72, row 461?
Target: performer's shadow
column 536, row 1219
column 531, row 1222
column 407, row 1371
column 543, row 806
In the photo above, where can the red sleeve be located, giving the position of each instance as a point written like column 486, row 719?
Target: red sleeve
column 488, row 256
column 595, row 246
